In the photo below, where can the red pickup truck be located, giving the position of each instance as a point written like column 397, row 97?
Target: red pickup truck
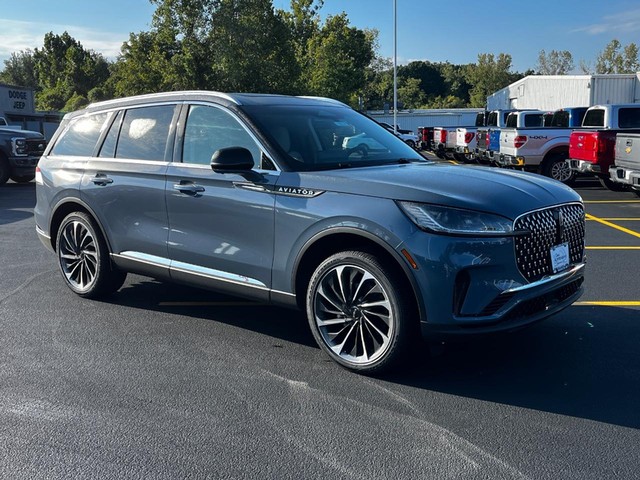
column 591, row 150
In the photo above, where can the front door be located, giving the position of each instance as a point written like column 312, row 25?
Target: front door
column 221, row 225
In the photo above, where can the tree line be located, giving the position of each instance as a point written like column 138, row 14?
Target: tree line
column 250, row 46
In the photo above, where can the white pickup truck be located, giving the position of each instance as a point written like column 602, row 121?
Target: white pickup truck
column 466, row 138
column 541, row 149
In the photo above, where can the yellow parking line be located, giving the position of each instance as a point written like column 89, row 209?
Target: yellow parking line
column 618, row 219
column 611, row 201
column 613, row 225
column 610, row 304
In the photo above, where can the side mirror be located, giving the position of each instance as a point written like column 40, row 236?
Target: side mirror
column 233, row 159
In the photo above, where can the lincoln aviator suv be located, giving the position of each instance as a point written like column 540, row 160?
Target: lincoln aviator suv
column 261, row 196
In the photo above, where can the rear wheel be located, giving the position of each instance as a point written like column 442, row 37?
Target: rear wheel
column 83, row 258
column 613, row 186
column 359, row 312
column 557, row 168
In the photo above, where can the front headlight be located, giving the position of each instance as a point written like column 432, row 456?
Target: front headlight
column 456, row 221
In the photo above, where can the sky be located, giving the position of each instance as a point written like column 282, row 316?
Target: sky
column 426, row 30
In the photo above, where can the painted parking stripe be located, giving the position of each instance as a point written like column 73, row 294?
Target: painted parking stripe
column 613, row 225
column 612, row 248
column 618, row 219
column 610, row 304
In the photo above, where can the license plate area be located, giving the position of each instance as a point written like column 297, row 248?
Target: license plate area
column 560, row 257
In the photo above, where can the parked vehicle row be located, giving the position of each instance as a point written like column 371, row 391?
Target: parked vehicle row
column 561, row 144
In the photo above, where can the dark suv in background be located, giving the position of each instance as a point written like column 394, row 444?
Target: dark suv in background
column 261, row 196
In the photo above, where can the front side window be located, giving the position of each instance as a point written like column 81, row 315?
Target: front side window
column 319, row 137
column 210, row 129
column 144, row 133
column 80, row 138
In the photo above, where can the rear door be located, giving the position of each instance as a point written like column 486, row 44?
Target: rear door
column 124, row 182
column 221, row 225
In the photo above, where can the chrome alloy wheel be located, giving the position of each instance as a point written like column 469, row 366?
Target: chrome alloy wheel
column 561, row 171
column 78, row 256
column 353, row 314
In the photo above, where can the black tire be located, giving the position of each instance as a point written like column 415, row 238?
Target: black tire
column 4, row 169
column 636, row 191
column 411, row 143
column 83, row 258
column 556, row 167
column 367, row 303
column 22, row 178
column 613, row 186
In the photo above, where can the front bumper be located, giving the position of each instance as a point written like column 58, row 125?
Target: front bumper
column 23, row 166
column 472, row 286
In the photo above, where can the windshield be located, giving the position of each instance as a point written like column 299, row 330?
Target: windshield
column 328, row 137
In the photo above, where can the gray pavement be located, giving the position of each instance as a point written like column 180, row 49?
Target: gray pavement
column 164, row 381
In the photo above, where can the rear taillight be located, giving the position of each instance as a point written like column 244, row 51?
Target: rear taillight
column 519, row 141
column 443, row 136
column 39, row 176
column 468, row 137
column 487, row 140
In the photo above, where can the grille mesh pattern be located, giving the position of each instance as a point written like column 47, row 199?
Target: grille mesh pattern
column 548, row 228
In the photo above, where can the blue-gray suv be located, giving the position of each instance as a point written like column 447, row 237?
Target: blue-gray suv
column 306, row 203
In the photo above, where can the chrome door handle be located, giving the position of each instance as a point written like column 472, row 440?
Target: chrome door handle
column 102, row 179
column 188, row 188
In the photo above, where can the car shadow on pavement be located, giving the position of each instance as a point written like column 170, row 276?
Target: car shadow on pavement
column 16, row 201
column 584, row 362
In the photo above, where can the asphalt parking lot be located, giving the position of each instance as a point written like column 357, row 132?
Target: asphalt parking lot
column 164, row 381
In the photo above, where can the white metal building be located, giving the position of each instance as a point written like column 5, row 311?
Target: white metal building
column 550, row 92
column 411, row 120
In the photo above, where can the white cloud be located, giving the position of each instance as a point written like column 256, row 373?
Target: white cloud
column 19, row 35
column 627, row 22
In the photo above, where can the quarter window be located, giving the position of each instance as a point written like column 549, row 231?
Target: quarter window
column 209, row 129
column 81, row 136
column 144, row 133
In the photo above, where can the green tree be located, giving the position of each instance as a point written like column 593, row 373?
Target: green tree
column 617, row 59
column 64, row 68
column 338, row 56
column 489, row 75
column 554, row 63
column 19, row 70
column 410, row 94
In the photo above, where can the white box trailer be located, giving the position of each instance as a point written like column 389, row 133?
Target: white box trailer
column 551, row 92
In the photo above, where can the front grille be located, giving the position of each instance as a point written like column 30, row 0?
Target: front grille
column 35, row 147
column 547, row 228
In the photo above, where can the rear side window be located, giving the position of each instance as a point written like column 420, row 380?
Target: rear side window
column 493, row 119
column 533, row 120
column 560, row 119
column 144, row 133
column 512, row 120
column 629, row 118
column 594, row 118
column 81, row 136
column 480, row 119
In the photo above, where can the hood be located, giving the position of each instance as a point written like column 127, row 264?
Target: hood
column 23, row 133
column 504, row 192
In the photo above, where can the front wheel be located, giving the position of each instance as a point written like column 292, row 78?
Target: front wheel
column 359, row 312
column 83, row 258
column 557, row 168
